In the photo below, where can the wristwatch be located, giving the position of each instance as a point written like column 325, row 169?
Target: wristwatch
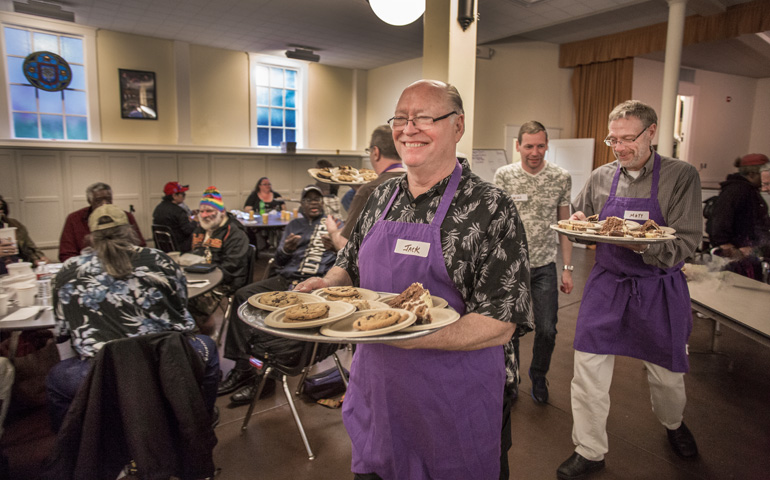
column 641, row 252
column 569, row 267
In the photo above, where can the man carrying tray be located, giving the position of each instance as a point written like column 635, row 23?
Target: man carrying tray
column 433, row 407
column 636, row 302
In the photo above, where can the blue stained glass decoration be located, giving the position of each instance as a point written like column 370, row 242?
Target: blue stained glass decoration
column 47, row 71
column 263, row 137
column 263, row 96
column 17, row 42
column 45, row 41
column 72, row 49
column 291, row 79
column 276, row 97
column 23, row 98
column 25, row 125
column 291, row 120
column 263, row 115
column 50, row 102
column 52, row 126
column 78, row 77
column 290, row 98
column 291, row 135
column 276, row 77
column 16, row 71
column 276, row 137
column 75, row 103
column 77, row 128
column 276, row 117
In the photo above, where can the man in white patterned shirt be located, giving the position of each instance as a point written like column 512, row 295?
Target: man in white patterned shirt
column 541, row 191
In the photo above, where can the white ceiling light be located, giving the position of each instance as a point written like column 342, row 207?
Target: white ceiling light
column 398, row 12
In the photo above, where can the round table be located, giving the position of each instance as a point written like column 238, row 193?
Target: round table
column 214, row 277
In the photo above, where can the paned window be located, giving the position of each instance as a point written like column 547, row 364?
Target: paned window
column 278, row 108
column 39, row 114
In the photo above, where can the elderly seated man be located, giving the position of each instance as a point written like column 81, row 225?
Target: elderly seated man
column 113, row 291
column 304, row 251
column 221, row 240
column 24, row 249
column 74, row 235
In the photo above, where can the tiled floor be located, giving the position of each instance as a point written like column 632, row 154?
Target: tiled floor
column 727, row 412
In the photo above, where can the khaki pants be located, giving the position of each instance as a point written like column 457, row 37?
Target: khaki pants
column 591, row 400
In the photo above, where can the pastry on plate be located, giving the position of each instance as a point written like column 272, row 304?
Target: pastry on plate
column 417, row 300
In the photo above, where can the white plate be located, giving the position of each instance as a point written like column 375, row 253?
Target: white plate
column 305, row 297
column 438, row 302
column 441, row 318
column 344, row 328
column 365, row 294
column 337, row 311
column 373, row 304
column 592, row 237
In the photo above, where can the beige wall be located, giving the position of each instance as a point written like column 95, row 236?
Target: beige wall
column 760, row 121
column 219, row 97
column 521, row 82
column 330, row 108
column 133, row 52
column 384, row 86
column 721, row 130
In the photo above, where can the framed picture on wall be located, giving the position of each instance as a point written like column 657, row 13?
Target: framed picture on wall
column 138, row 96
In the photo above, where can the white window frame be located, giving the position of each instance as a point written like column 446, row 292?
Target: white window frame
column 8, row 19
column 301, row 98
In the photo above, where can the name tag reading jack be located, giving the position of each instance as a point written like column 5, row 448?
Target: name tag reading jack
column 636, row 215
column 519, row 197
column 408, row 247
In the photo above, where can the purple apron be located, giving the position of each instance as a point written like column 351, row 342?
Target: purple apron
column 630, row 308
column 421, row 414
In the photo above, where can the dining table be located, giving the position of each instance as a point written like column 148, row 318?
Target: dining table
column 200, row 283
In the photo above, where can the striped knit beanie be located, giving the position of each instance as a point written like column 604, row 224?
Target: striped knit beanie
column 213, row 198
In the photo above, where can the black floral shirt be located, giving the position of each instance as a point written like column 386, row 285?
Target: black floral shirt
column 93, row 307
column 484, row 245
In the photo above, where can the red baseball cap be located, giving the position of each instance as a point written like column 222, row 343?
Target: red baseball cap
column 753, row 159
column 174, row 187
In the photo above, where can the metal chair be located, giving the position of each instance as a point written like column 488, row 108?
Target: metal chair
column 251, row 262
column 161, row 235
column 277, row 360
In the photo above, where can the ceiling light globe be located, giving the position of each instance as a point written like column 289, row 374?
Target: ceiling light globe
column 398, row 12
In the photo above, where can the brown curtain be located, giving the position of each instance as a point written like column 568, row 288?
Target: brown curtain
column 596, row 89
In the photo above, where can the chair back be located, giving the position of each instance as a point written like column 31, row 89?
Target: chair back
column 289, row 356
column 161, row 235
column 251, row 262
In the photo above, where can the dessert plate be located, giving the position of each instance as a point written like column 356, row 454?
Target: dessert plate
column 441, row 318
column 337, row 311
column 304, row 297
column 344, row 328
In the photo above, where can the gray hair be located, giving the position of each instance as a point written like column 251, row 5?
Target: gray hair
column 747, row 170
column 96, row 187
column 634, row 108
column 532, row 127
column 382, row 138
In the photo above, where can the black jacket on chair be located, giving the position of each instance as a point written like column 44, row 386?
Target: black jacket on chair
column 142, row 402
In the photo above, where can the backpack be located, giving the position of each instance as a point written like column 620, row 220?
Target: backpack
column 708, row 207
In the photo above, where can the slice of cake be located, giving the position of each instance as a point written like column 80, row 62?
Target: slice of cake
column 417, row 300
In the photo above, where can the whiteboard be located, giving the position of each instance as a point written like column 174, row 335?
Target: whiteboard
column 486, row 162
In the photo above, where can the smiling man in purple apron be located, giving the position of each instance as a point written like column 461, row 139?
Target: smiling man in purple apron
column 636, row 302
column 430, row 407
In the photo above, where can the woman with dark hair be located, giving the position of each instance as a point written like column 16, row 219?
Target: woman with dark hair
column 25, row 249
column 116, row 290
column 263, row 199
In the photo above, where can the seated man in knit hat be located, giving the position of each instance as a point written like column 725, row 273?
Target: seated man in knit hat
column 221, row 240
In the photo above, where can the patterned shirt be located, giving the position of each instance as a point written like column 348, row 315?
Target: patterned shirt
column 93, row 307
column 484, row 246
column 537, row 198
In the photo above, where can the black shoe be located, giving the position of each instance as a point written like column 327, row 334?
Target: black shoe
column 246, row 394
column 577, row 466
column 235, row 379
column 539, row 388
column 215, row 417
column 682, row 441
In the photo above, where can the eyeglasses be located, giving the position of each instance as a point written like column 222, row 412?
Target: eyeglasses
column 422, row 123
column 370, row 149
column 612, row 142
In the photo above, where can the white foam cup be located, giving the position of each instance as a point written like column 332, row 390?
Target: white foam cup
column 25, row 294
column 4, row 299
column 8, row 234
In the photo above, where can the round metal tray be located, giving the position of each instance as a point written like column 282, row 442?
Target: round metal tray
column 255, row 318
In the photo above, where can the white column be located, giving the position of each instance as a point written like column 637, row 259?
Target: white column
column 449, row 55
column 674, row 36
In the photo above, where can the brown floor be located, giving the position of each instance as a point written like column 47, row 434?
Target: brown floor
column 727, row 412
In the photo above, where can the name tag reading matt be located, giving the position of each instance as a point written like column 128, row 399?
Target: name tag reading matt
column 633, row 215
column 519, row 197
column 408, row 247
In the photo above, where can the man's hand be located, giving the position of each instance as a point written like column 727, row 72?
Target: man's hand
column 332, row 224
column 291, row 243
column 578, row 216
column 328, row 243
column 7, row 249
column 566, row 281
column 311, row 284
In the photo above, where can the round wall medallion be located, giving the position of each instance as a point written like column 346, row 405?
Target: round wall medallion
column 47, row 71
